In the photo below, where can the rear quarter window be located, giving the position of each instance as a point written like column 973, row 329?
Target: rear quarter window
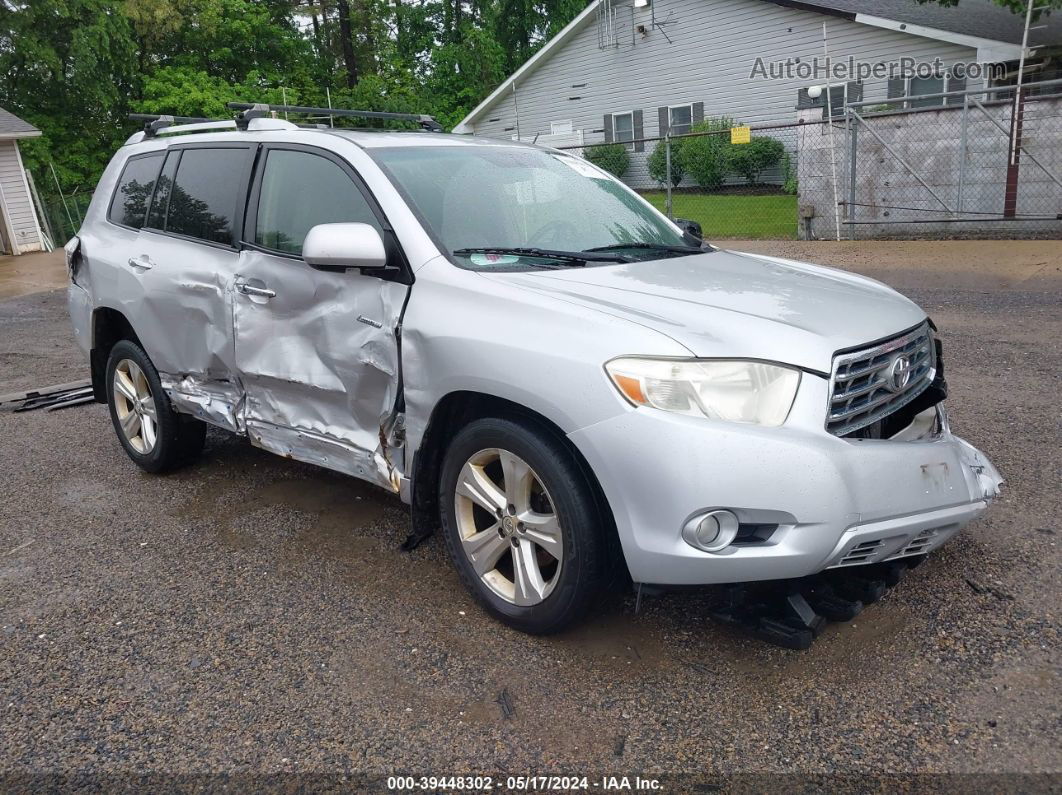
column 135, row 186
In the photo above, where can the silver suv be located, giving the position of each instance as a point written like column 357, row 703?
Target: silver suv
column 569, row 384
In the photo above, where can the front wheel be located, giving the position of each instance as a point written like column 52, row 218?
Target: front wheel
column 155, row 436
column 521, row 525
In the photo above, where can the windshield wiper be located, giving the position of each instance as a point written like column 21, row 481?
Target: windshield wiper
column 681, row 251
column 575, row 258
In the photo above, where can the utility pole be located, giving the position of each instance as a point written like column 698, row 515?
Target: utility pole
column 1010, row 199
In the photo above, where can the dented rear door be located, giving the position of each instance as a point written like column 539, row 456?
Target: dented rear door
column 184, row 261
column 317, row 351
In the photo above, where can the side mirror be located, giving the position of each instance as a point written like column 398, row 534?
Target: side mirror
column 691, row 228
column 339, row 247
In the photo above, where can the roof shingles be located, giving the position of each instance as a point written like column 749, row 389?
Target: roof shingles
column 11, row 126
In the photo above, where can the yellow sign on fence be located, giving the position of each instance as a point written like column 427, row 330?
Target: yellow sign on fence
column 740, row 135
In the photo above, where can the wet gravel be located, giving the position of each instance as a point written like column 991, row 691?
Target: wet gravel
column 251, row 616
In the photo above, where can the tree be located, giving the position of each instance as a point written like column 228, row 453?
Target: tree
column 76, row 68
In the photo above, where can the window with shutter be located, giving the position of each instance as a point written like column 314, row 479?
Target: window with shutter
column 680, row 119
column 623, row 128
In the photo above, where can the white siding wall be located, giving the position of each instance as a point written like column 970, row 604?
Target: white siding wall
column 17, row 199
column 715, row 45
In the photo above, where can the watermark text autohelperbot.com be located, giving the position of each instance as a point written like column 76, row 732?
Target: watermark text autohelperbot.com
column 850, row 68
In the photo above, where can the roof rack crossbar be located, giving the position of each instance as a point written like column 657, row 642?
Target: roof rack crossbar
column 426, row 122
column 153, row 122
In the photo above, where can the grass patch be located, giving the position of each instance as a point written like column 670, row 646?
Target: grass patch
column 734, row 215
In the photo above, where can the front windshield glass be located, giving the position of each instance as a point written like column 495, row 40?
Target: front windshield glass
column 506, row 197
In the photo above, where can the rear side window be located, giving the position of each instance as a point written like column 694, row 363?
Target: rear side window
column 205, row 191
column 131, row 197
column 301, row 190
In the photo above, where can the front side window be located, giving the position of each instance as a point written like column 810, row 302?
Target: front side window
column 301, row 190
column 205, row 193
column 681, row 119
column 623, row 127
column 517, row 197
column 135, row 186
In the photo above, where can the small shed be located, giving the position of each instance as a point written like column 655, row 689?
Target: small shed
column 20, row 231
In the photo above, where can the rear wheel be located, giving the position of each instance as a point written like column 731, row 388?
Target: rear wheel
column 155, row 436
column 521, row 525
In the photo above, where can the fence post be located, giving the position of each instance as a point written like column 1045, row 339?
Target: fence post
column 962, row 151
column 667, row 170
column 853, row 144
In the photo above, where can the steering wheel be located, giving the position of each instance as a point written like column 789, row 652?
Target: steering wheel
column 553, row 234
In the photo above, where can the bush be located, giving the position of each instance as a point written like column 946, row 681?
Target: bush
column 751, row 159
column 706, row 157
column 657, row 163
column 614, row 158
column 789, row 177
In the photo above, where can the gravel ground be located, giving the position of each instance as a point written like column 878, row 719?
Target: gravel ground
column 254, row 616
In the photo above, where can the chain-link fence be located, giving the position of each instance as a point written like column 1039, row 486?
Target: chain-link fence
column 956, row 164
column 733, row 190
column 62, row 216
column 959, row 164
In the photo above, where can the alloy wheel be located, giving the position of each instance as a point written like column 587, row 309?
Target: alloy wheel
column 508, row 528
column 135, row 406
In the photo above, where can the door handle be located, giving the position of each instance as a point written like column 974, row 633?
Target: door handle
column 141, row 263
column 250, row 289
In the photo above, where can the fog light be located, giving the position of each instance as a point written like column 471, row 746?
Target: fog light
column 712, row 531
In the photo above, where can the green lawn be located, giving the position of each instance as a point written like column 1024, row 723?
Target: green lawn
column 734, row 215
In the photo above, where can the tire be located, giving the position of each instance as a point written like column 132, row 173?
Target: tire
column 558, row 503
column 160, row 444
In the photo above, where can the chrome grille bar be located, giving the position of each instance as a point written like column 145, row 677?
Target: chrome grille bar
column 866, row 383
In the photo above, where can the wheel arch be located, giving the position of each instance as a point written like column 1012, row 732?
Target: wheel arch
column 452, row 413
column 109, row 326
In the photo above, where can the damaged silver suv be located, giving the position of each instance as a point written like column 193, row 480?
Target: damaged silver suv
column 542, row 365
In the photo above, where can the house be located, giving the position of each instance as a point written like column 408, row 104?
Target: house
column 625, row 70
column 20, row 232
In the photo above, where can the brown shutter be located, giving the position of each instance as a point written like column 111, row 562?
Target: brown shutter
column 663, row 120
column 639, row 132
column 698, row 112
column 956, row 84
column 804, row 100
column 608, row 128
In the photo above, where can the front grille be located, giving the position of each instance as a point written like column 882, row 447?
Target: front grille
column 862, row 387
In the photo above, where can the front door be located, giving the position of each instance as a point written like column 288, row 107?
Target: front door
column 317, row 351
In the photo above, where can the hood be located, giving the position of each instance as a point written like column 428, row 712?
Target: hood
column 724, row 303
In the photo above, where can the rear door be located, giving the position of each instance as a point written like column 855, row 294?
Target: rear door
column 186, row 259
column 317, row 351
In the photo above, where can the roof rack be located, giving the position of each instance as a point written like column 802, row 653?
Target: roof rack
column 154, row 122
column 250, row 111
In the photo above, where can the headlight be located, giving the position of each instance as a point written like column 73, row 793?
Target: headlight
column 736, row 391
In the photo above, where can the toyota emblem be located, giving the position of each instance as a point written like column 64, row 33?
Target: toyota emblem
column 899, row 374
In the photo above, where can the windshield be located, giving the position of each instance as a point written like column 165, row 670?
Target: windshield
column 502, row 198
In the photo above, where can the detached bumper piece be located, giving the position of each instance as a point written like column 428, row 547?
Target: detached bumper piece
column 792, row 613
column 51, row 398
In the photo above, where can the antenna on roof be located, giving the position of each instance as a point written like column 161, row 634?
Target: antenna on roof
column 259, row 109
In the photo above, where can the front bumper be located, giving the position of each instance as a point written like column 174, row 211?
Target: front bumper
column 836, row 502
